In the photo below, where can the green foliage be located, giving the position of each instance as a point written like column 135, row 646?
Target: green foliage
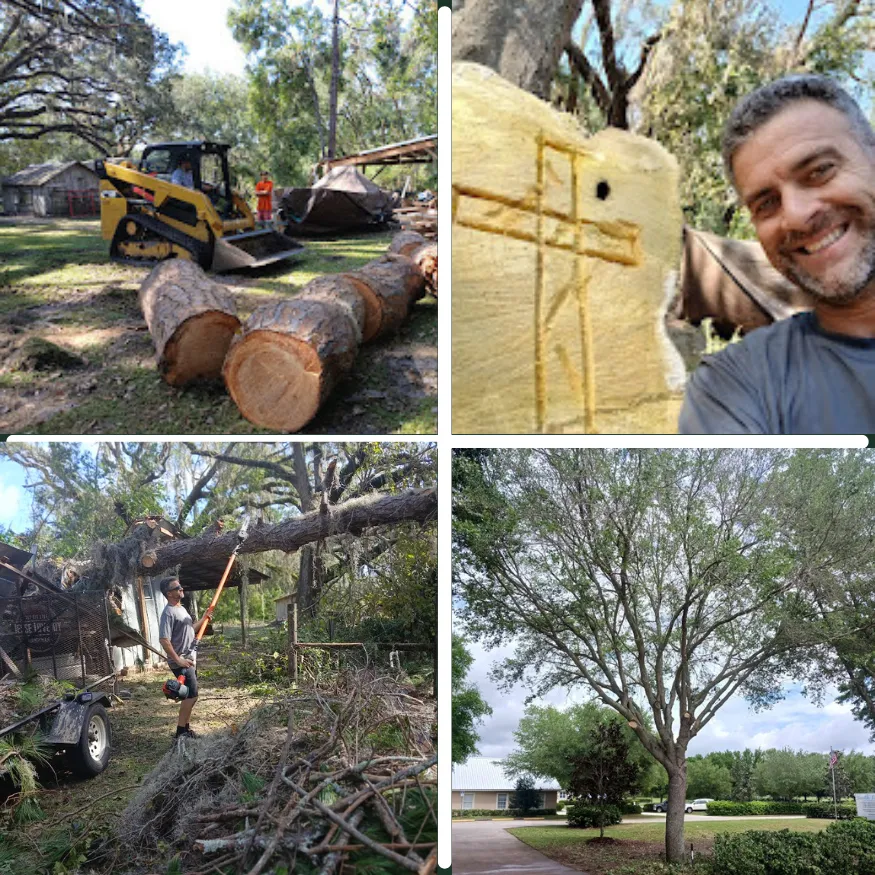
column 503, row 812
column 829, row 811
column 629, row 807
column 525, row 796
column 707, row 779
column 840, row 849
column 787, row 773
column 468, row 708
column 20, row 755
column 755, row 808
column 584, row 816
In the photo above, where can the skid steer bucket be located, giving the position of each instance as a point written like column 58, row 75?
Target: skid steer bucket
column 253, row 249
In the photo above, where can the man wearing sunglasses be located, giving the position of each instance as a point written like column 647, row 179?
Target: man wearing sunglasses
column 177, row 632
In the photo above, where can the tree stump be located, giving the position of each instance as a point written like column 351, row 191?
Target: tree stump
column 287, row 360
column 388, row 288
column 422, row 252
column 191, row 319
column 565, row 255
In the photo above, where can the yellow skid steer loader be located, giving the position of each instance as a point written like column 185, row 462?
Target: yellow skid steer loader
column 148, row 216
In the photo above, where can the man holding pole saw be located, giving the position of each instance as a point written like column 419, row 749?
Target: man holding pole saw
column 180, row 636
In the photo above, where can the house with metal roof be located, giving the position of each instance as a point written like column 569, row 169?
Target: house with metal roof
column 481, row 782
column 68, row 188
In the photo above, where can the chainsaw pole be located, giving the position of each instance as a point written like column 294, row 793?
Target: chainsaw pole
column 241, row 537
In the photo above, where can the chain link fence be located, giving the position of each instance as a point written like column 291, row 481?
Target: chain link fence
column 64, row 635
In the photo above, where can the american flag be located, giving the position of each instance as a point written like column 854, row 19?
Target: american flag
column 833, row 759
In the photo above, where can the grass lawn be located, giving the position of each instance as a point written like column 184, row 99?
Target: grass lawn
column 58, row 285
column 639, row 841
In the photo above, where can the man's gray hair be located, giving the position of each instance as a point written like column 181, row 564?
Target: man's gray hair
column 752, row 112
column 166, row 583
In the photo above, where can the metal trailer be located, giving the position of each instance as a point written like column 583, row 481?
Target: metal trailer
column 77, row 727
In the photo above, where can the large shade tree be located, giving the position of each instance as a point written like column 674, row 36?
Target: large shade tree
column 660, row 580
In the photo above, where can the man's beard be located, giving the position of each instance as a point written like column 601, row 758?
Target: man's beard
column 841, row 289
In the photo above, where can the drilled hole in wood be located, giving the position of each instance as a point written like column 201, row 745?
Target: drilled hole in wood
column 602, row 190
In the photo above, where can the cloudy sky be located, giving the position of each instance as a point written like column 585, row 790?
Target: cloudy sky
column 14, row 503
column 795, row 722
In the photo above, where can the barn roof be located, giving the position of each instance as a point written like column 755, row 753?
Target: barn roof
column 487, row 773
column 40, row 174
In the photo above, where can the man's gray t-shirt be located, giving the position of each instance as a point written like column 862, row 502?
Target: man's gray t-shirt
column 176, row 624
column 790, row 378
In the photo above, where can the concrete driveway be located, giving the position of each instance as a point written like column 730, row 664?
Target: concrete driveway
column 484, row 847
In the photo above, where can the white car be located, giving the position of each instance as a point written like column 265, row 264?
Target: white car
column 689, row 807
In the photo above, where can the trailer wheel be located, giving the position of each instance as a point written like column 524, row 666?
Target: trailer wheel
column 91, row 754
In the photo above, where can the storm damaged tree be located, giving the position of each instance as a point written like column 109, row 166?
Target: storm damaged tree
column 658, row 579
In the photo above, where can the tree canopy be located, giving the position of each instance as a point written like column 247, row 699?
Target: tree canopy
column 468, row 708
column 664, row 582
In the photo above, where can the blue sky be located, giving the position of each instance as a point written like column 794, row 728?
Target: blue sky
column 14, row 500
column 794, row 722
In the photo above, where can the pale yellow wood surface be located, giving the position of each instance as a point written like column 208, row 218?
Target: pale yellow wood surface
column 565, row 249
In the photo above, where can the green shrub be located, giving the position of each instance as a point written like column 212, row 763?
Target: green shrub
column 749, row 809
column 584, row 816
column 846, row 811
column 560, row 806
column 627, row 806
column 502, row 812
column 768, row 853
column 849, row 845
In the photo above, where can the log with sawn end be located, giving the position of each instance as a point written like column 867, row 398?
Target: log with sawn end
column 191, row 319
column 423, row 253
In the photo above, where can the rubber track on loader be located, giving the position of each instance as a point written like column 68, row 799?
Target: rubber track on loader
column 201, row 252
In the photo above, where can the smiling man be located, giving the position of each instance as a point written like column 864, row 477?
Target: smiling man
column 801, row 156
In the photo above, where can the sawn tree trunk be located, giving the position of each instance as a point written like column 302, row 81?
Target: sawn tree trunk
column 423, row 253
column 191, row 318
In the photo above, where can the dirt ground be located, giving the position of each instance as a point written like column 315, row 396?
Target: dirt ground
column 76, row 357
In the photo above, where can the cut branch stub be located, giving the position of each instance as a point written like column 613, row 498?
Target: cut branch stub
column 388, row 288
column 287, row 360
column 423, row 253
column 191, row 318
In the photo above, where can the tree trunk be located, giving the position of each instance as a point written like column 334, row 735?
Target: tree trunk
column 343, row 291
column 388, row 288
column 352, row 517
column 191, row 319
column 289, row 357
column 305, row 583
column 423, row 253
column 335, row 76
column 522, row 40
column 674, row 819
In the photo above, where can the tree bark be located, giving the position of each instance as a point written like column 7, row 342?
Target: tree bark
column 191, row 319
column 288, row 359
column 342, row 291
column 674, row 819
column 423, row 253
column 352, row 517
column 388, row 288
column 522, row 40
column 335, row 76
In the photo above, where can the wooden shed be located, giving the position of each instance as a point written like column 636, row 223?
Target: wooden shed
column 53, row 189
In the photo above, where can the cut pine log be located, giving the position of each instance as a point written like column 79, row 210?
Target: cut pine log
column 191, row 319
column 288, row 358
column 388, row 288
column 342, row 291
column 422, row 252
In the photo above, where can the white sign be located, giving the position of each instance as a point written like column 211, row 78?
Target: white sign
column 865, row 805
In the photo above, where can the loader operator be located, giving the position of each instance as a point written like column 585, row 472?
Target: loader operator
column 801, row 156
column 183, row 174
column 177, row 632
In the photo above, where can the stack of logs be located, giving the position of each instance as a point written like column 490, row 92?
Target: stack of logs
column 281, row 364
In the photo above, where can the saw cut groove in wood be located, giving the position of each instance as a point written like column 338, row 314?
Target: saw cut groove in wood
column 565, row 250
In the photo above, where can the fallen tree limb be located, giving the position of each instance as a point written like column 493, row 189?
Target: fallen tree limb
column 352, row 517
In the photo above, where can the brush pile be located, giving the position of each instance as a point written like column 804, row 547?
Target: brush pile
column 324, row 779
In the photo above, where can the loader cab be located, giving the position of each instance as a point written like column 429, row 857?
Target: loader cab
column 209, row 168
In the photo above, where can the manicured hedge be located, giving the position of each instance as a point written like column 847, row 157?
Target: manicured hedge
column 844, row 848
column 584, row 816
column 748, row 809
column 629, row 807
column 846, row 810
column 503, row 812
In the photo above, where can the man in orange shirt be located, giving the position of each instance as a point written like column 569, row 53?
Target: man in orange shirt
column 264, row 190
